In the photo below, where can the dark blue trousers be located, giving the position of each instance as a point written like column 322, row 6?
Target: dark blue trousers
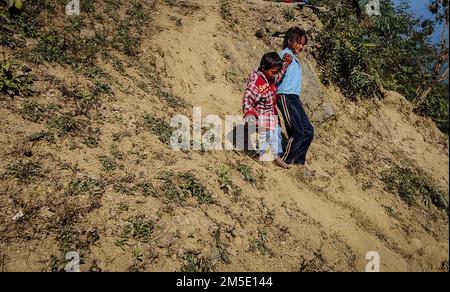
column 299, row 129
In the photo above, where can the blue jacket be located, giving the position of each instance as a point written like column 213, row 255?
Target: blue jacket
column 292, row 81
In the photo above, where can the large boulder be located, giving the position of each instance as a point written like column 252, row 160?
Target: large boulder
column 316, row 102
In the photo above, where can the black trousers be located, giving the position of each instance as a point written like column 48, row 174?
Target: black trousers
column 299, row 129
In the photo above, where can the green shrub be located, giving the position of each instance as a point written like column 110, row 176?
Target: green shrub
column 14, row 79
column 363, row 55
column 436, row 107
column 157, row 126
column 178, row 187
column 412, row 183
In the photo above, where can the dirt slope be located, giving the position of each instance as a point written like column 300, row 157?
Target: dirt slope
column 125, row 201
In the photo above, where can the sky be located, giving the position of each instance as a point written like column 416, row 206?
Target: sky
column 420, row 9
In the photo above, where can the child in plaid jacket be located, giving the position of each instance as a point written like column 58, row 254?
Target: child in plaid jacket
column 260, row 103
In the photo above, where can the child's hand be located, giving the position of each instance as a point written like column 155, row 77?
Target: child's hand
column 287, row 59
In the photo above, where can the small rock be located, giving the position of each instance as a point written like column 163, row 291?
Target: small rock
column 328, row 110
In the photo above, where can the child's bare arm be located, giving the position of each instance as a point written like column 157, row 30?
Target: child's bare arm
column 287, row 60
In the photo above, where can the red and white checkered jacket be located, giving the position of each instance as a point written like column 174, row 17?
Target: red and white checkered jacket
column 260, row 99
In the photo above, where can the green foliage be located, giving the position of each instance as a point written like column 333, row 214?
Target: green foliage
column 32, row 111
column 129, row 187
column 226, row 184
column 259, row 242
column 436, row 107
column 147, row 189
column 226, row 12
column 108, row 164
column 11, row 23
column 157, row 127
column 85, row 186
column 364, row 54
column 171, row 2
column 52, row 48
column 316, row 264
column 90, row 99
column 14, row 80
column 65, row 124
column 92, row 137
column 193, row 262
column 126, row 40
column 116, row 153
column 249, row 176
column 42, row 136
column 170, row 99
column 178, row 187
column 412, row 183
column 267, row 214
column 25, row 171
column 138, row 228
column 118, row 66
column 246, row 172
column 67, row 47
column 138, row 12
column 289, row 14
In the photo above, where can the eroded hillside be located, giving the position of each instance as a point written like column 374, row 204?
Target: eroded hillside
column 86, row 165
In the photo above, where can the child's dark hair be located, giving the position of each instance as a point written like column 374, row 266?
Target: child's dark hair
column 293, row 35
column 270, row 60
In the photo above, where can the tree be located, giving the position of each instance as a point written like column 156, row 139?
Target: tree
column 438, row 73
column 363, row 54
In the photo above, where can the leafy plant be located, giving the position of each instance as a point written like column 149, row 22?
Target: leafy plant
column 85, row 186
column 25, row 171
column 194, row 262
column 65, row 124
column 226, row 184
column 32, row 111
column 108, row 164
column 14, row 80
column 436, row 107
column 363, row 55
column 178, row 187
column 412, row 183
column 138, row 228
column 246, row 172
column 158, row 127
column 259, row 243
